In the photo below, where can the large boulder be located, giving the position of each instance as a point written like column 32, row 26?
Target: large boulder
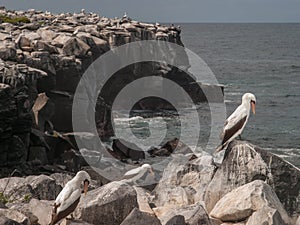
column 184, row 181
column 136, row 216
column 109, row 204
column 242, row 202
column 244, row 163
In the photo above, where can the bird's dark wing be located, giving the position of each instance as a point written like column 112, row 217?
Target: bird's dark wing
column 56, row 217
column 228, row 133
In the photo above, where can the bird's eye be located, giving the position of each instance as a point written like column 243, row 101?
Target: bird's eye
column 252, row 101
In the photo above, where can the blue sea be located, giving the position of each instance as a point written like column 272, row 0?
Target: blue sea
column 260, row 58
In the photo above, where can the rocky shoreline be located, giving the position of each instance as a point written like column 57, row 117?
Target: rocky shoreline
column 251, row 186
column 42, row 58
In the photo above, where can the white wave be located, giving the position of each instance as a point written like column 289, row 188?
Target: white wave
column 124, row 119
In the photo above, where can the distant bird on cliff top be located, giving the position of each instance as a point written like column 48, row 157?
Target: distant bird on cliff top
column 138, row 174
column 235, row 123
column 69, row 197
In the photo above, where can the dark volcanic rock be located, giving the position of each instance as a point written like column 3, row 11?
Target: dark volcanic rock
column 244, row 163
column 136, row 217
column 128, row 150
column 172, row 146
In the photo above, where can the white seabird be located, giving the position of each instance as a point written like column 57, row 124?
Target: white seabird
column 138, row 173
column 69, row 197
column 235, row 123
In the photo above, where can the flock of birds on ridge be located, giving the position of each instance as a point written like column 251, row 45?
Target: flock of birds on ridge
column 69, row 197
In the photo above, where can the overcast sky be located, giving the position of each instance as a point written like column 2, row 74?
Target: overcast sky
column 174, row 10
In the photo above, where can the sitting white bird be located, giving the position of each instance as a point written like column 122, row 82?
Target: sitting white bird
column 139, row 174
column 236, row 122
column 69, row 197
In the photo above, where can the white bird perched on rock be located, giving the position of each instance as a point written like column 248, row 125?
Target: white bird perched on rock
column 139, row 173
column 69, row 197
column 236, row 122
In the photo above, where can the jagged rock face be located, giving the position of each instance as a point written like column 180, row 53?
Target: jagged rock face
column 251, row 200
column 17, row 94
column 183, row 182
column 109, row 204
column 244, row 163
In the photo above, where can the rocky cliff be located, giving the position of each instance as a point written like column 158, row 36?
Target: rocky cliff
column 45, row 55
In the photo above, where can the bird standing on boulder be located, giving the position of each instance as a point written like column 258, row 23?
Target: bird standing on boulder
column 69, row 197
column 236, row 122
column 139, row 174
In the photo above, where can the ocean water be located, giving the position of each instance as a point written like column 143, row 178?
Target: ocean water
column 260, row 58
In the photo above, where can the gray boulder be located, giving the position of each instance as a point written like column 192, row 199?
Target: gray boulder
column 60, row 40
column 136, row 217
column 43, row 187
column 109, row 204
column 6, row 221
column 14, row 215
column 244, row 163
column 242, row 202
column 24, row 43
column 76, row 47
column 7, row 50
column 47, row 34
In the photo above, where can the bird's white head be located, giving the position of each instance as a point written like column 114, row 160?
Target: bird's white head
column 148, row 167
column 250, row 99
column 84, row 177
